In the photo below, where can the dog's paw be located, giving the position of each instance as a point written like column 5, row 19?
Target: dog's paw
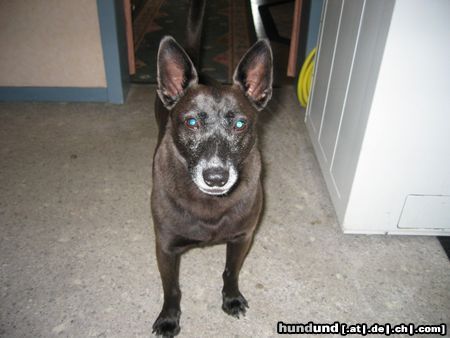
column 234, row 306
column 167, row 324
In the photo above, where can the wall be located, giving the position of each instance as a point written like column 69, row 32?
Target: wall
column 50, row 43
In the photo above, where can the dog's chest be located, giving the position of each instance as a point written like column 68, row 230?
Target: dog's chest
column 211, row 232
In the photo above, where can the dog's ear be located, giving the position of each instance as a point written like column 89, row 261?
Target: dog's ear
column 254, row 74
column 176, row 72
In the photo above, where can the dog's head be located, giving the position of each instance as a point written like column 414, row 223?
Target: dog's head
column 214, row 128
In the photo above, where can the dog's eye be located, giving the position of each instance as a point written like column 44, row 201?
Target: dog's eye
column 240, row 125
column 191, row 123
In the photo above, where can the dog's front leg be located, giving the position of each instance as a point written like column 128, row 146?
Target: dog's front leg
column 167, row 323
column 234, row 303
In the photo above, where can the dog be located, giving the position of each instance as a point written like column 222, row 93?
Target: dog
column 206, row 168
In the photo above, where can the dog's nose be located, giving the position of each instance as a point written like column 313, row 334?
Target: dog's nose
column 215, row 177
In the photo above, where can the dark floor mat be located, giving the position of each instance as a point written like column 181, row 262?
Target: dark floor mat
column 445, row 242
column 227, row 34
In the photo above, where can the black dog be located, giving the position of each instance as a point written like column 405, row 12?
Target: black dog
column 206, row 169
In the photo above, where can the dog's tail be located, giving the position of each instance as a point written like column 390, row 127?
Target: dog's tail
column 194, row 30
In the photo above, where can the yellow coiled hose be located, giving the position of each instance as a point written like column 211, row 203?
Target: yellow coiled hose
column 305, row 79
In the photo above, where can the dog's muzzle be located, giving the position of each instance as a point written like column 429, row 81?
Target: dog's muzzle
column 213, row 177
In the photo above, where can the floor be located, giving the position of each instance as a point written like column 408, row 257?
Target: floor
column 77, row 245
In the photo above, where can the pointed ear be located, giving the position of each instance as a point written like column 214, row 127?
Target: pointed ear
column 254, row 74
column 176, row 72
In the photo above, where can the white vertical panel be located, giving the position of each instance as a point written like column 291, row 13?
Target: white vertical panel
column 366, row 62
column 341, row 67
column 345, row 78
column 332, row 13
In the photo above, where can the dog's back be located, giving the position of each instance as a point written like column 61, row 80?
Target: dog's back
column 206, row 170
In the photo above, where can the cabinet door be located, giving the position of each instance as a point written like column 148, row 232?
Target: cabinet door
column 341, row 69
column 353, row 35
column 329, row 30
column 339, row 37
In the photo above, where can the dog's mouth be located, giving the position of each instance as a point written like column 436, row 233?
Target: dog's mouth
column 214, row 191
column 213, row 179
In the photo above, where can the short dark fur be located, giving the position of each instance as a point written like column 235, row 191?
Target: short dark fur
column 185, row 216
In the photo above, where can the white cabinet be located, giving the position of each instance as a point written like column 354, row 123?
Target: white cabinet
column 379, row 114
